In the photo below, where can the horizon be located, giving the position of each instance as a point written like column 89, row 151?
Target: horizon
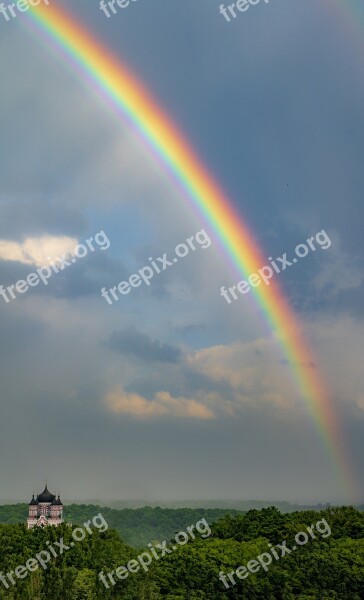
column 98, row 501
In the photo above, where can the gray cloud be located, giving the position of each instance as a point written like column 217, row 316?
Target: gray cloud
column 83, row 278
column 179, row 379
column 131, row 341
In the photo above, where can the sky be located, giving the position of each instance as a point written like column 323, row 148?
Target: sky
column 169, row 392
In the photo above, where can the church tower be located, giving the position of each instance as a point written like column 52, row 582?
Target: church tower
column 45, row 510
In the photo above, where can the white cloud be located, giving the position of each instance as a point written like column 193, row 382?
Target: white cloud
column 252, row 369
column 163, row 404
column 253, row 376
column 37, row 251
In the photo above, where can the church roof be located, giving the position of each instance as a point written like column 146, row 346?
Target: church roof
column 46, row 496
column 33, row 501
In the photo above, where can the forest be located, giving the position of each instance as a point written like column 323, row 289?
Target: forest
column 328, row 567
column 137, row 527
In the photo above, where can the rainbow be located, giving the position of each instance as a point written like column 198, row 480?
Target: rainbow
column 120, row 88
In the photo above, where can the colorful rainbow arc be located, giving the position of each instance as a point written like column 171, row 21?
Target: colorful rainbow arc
column 127, row 95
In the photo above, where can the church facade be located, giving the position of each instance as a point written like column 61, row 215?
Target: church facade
column 46, row 509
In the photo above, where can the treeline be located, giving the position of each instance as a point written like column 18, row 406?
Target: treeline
column 329, row 567
column 137, row 527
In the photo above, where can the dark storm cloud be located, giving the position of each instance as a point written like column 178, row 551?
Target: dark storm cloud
column 12, row 271
column 85, row 277
column 179, row 380
column 329, row 301
column 131, row 341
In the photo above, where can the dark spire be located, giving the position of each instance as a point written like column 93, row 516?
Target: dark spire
column 46, row 495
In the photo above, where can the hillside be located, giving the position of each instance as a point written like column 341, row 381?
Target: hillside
column 250, row 556
column 136, row 527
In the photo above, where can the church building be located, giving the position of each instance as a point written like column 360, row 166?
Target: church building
column 45, row 510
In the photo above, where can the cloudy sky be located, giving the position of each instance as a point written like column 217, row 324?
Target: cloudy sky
column 170, row 392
